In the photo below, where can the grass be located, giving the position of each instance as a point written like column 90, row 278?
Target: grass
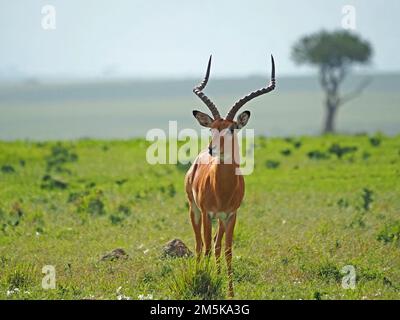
column 313, row 205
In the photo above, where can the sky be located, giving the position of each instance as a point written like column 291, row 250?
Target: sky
column 161, row 39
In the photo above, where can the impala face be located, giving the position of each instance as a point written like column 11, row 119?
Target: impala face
column 224, row 143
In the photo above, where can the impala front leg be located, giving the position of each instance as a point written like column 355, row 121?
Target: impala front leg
column 218, row 240
column 229, row 227
column 207, row 228
column 195, row 218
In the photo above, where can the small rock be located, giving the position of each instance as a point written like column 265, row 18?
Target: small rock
column 176, row 249
column 116, row 254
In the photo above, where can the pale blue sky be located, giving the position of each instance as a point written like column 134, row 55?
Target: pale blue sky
column 174, row 38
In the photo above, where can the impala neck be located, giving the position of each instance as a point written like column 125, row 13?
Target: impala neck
column 225, row 173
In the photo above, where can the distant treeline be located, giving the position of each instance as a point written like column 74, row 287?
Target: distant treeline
column 37, row 91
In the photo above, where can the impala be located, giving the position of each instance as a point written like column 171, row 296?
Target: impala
column 214, row 185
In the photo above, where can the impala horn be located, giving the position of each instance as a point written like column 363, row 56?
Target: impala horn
column 240, row 103
column 198, row 92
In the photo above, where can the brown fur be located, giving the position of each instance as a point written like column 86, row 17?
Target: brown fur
column 215, row 187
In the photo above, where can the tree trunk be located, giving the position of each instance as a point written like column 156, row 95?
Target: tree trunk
column 329, row 124
column 331, row 78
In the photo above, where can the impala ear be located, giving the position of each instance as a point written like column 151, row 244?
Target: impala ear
column 242, row 119
column 204, row 119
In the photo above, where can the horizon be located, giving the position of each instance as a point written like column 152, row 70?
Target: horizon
column 57, row 80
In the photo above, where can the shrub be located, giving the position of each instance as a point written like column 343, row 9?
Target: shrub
column 367, row 197
column 317, row 155
column 375, row 141
column 92, row 203
column 51, row 183
column 7, row 169
column 340, row 151
column 272, row 164
column 286, row 152
column 58, row 157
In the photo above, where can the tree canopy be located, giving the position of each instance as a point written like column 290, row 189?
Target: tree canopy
column 331, row 49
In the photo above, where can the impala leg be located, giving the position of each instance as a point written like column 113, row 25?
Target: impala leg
column 196, row 224
column 229, row 228
column 207, row 228
column 218, row 240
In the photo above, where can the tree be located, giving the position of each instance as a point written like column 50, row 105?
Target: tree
column 334, row 53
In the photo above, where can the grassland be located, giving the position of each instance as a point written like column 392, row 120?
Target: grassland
column 313, row 205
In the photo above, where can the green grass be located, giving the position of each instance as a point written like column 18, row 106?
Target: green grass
column 312, row 206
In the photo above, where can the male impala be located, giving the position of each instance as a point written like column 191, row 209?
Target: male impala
column 214, row 186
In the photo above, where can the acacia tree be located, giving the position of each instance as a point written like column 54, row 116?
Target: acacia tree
column 334, row 53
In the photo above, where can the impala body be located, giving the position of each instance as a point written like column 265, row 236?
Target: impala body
column 214, row 186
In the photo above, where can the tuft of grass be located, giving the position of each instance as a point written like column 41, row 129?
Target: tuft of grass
column 390, row 233
column 328, row 271
column 198, row 281
column 366, row 155
column 343, row 203
column 120, row 182
column 20, row 277
column 122, row 214
column 170, row 190
column 358, row 220
column 14, row 218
